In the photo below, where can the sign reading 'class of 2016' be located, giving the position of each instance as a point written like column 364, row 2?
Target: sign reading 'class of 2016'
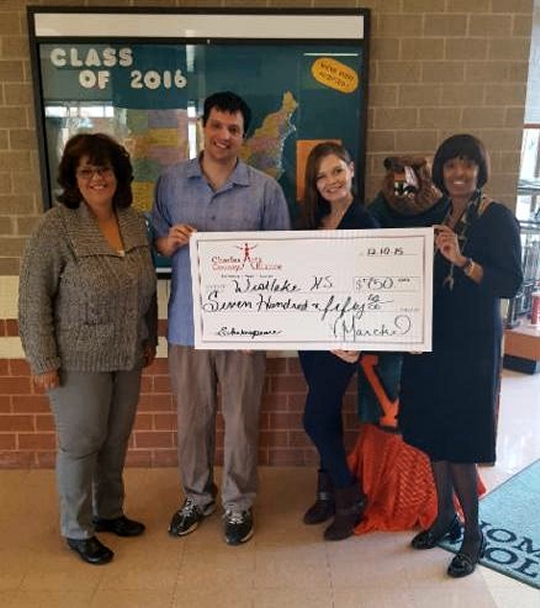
column 137, row 76
column 313, row 290
column 143, row 76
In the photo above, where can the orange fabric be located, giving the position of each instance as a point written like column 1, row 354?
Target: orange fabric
column 398, row 482
column 397, row 479
column 390, row 408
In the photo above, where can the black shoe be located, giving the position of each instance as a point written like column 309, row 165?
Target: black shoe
column 238, row 526
column 464, row 564
column 121, row 526
column 427, row 539
column 320, row 511
column 324, row 506
column 90, row 550
column 189, row 516
column 350, row 506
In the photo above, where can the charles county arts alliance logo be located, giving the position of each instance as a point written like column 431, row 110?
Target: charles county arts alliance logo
column 246, row 259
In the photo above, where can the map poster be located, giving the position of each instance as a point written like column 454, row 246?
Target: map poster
column 313, row 290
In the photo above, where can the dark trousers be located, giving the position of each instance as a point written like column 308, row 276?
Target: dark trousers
column 327, row 377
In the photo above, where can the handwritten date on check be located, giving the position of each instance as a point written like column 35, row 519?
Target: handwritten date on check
column 313, row 290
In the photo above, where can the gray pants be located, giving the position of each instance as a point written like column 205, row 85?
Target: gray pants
column 94, row 415
column 195, row 375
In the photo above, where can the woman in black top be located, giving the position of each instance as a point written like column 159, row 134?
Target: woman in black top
column 329, row 204
column 448, row 396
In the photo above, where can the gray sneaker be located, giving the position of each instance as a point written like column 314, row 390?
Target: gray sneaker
column 189, row 516
column 238, row 526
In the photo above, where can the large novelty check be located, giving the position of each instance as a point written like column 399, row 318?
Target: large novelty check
column 313, row 290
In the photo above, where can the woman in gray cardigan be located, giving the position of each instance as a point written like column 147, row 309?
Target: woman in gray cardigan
column 88, row 325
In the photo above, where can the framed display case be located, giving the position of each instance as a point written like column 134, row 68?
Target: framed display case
column 142, row 75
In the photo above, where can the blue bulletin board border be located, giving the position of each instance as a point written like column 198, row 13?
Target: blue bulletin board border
column 148, row 70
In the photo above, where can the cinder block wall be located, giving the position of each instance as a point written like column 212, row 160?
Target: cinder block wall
column 436, row 67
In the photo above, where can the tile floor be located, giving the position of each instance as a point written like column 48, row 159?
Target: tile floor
column 286, row 563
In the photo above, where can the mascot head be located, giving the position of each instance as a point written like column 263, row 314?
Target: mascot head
column 407, row 185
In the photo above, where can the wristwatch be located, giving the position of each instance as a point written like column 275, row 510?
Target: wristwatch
column 467, row 267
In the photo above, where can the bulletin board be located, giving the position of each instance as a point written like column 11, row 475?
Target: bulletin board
column 142, row 75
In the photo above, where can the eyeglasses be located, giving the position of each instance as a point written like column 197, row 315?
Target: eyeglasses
column 88, row 173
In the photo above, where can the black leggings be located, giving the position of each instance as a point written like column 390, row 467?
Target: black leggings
column 327, row 377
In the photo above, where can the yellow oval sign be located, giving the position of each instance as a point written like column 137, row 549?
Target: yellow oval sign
column 335, row 74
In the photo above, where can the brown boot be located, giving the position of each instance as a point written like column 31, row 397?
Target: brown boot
column 350, row 504
column 324, row 506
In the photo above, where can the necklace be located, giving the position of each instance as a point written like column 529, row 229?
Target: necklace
column 460, row 227
column 333, row 219
column 337, row 215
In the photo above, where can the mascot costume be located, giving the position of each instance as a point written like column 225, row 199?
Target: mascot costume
column 395, row 476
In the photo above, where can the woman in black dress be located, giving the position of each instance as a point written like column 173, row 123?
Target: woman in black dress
column 448, row 397
column 329, row 204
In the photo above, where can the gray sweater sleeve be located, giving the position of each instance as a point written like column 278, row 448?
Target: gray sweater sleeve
column 38, row 284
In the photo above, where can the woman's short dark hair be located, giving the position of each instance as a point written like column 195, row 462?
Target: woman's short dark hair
column 101, row 150
column 464, row 146
column 314, row 206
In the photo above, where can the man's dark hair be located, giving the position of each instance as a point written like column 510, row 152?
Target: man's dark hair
column 227, row 101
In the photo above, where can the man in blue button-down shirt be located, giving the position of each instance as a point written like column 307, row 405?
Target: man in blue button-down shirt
column 215, row 192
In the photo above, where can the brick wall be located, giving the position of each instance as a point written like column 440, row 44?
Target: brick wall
column 27, row 437
column 436, row 67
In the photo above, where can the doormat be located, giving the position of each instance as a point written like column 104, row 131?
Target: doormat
column 510, row 521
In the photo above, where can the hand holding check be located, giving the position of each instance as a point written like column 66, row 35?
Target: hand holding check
column 446, row 241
